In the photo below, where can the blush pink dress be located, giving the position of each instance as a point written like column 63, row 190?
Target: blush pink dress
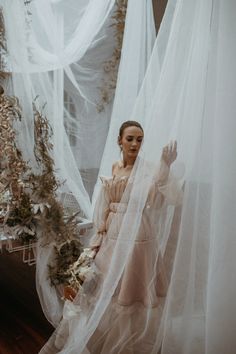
column 135, row 283
column 130, row 323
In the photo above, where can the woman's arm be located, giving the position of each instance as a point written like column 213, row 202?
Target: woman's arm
column 101, row 212
column 169, row 155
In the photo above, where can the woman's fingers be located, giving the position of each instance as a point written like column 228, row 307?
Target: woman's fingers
column 173, row 145
column 169, row 152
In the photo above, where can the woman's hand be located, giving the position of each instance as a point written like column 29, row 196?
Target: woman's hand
column 95, row 249
column 69, row 293
column 169, row 153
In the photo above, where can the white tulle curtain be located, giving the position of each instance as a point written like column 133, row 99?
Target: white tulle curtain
column 192, row 100
column 139, row 37
column 57, row 52
column 46, row 49
column 195, row 103
column 188, row 94
column 52, row 34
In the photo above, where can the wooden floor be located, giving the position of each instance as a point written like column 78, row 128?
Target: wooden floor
column 23, row 327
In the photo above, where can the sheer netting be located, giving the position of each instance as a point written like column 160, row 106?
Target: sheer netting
column 46, row 50
column 192, row 101
column 64, row 57
column 164, row 278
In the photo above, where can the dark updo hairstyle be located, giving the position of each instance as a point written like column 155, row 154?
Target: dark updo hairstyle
column 129, row 123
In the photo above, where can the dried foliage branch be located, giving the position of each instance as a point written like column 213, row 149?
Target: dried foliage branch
column 107, row 90
column 70, row 264
column 3, row 48
column 2, row 31
column 15, row 206
column 46, row 181
column 55, row 226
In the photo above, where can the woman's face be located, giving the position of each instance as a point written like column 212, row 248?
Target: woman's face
column 131, row 141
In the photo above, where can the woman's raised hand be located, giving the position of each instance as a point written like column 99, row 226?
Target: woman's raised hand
column 169, row 153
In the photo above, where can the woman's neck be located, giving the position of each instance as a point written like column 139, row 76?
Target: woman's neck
column 128, row 163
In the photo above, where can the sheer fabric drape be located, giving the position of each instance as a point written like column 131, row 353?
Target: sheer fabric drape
column 57, row 52
column 188, row 95
column 192, row 100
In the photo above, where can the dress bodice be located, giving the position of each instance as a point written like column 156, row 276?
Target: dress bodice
column 114, row 198
column 115, row 187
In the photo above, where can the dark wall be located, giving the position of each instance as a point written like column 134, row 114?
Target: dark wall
column 159, row 9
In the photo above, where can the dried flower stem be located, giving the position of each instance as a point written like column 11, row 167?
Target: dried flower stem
column 111, row 66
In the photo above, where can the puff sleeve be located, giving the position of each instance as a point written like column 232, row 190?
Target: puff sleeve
column 168, row 185
column 101, row 212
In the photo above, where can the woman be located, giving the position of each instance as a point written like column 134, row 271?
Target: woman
column 143, row 284
column 131, row 320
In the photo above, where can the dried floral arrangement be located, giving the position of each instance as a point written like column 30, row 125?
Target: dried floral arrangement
column 111, row 66
column 72, row 264
column 73, row 268
column 29, row 207
column 18, row 207
column 12, row 165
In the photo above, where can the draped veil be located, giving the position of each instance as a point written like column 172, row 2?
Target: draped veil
column 180, row 87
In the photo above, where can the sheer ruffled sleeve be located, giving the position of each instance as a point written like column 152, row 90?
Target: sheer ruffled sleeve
column 101, row 212
column 169, row 186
